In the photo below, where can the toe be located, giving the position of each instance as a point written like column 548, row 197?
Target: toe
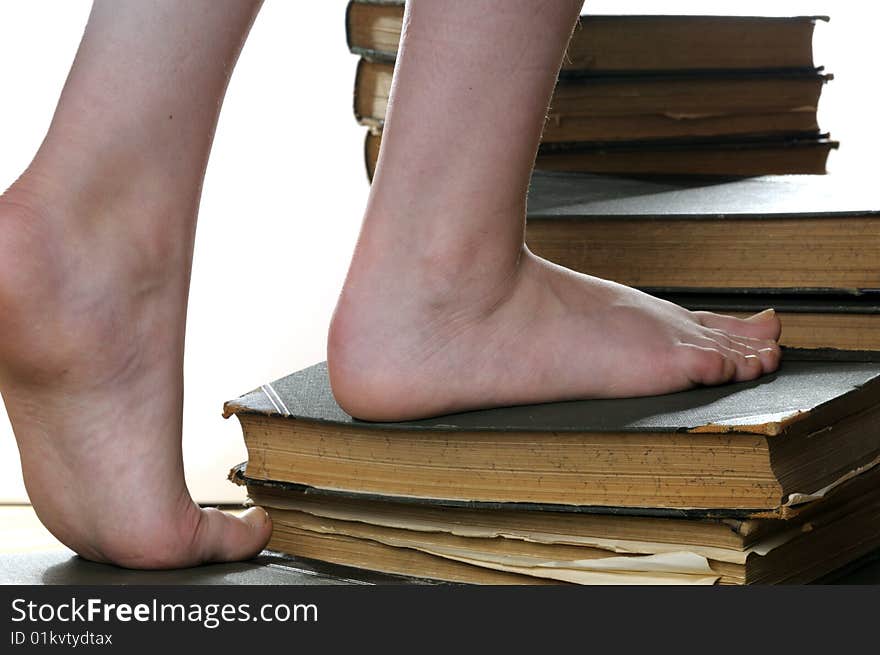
column 748, row 366
column 764, row 325
column 189, row 538
column 708, row 366
column 745, row 358
column 766, row 351
column 770, row 358
column 222, row 537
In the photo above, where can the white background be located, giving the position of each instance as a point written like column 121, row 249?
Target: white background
column 285, row 186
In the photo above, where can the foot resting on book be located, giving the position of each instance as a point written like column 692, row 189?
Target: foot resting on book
column 91, row 374
column 410, row 339
column 444, row 309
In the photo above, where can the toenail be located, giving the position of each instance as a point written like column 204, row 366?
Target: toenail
column 256, row 517
column 762, row 316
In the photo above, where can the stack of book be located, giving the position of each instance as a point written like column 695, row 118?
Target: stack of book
column 769, row 481
column 764, row 482
column 704, row 95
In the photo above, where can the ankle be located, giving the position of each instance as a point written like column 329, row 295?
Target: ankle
column 387, row 298
column 433, row 258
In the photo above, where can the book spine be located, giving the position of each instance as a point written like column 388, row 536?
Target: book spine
column 348, row 10
column 355, row 95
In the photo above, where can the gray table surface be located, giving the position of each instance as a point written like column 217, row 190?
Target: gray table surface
column 62, row 567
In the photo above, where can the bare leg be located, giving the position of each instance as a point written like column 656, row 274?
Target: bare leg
column 96, row 241
column 444, row 309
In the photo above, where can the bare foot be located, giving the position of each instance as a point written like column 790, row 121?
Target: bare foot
column 92, row 309
column 414, row 337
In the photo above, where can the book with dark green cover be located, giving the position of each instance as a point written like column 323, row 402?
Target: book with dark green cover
column 615, row 108
column 795, row 233
column 803, row 154
column 630, row 43
column 757, row 447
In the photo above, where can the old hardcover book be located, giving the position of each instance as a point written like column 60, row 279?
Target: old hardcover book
column 741, row 157
column 804, row 155
column 642, row 107
column 486, row 545
column 791, row 232
column 756, row 448
column 602, row 43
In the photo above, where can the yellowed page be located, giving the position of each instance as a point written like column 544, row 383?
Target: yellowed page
column 598, row 577
column 627, row 546
column 669, row 568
